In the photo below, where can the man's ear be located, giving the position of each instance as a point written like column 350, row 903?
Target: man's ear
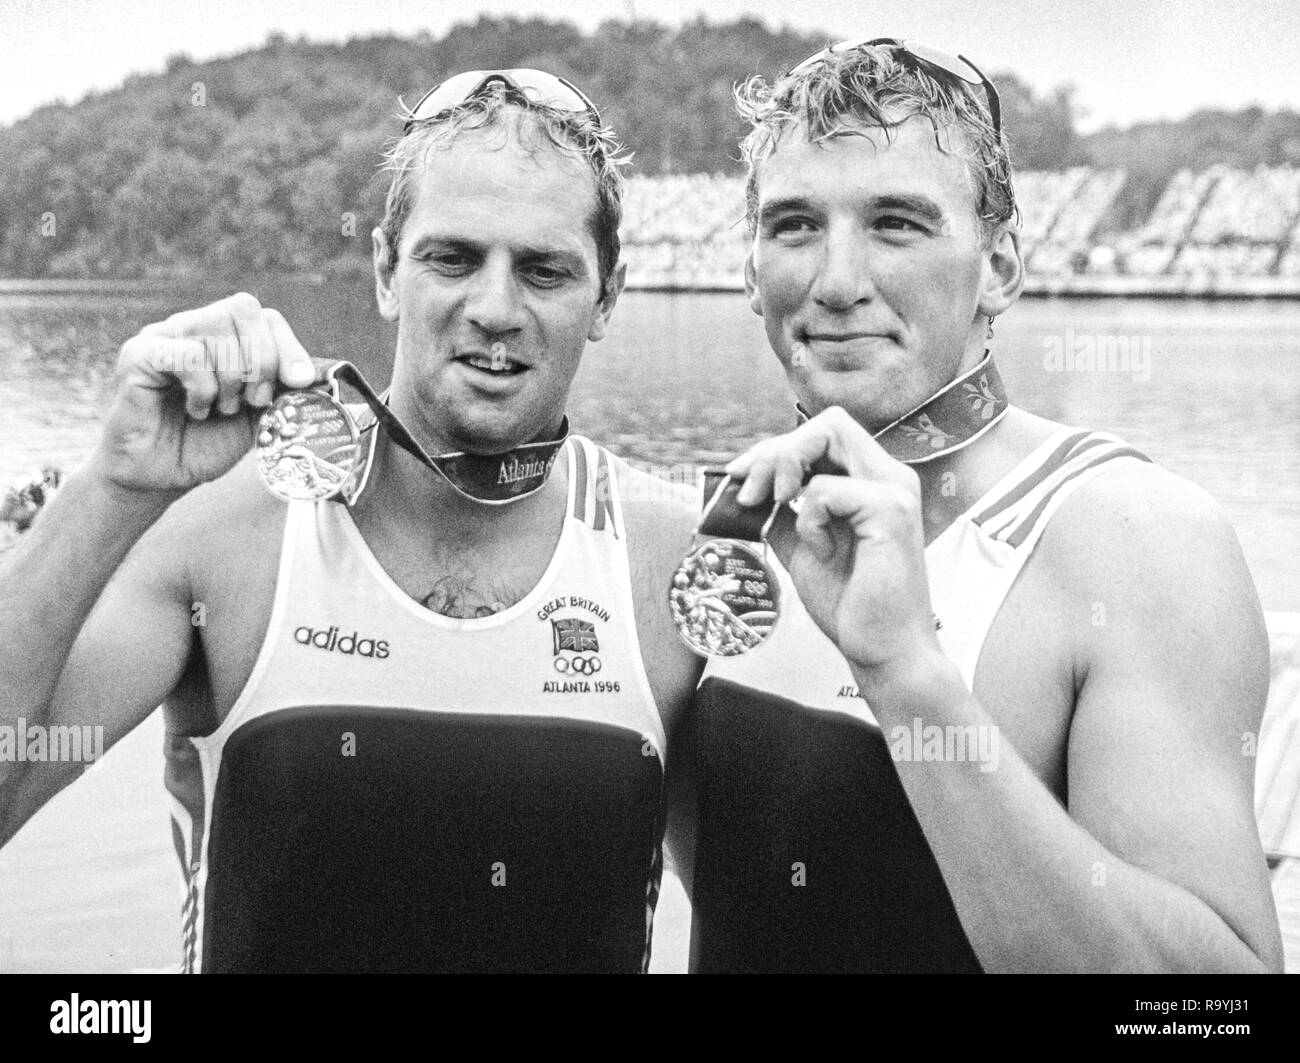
column 385, row 291
column 1006, row 273
column 613, row 289
column 751, row 285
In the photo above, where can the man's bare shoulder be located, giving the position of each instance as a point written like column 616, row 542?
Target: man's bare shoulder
column 660, row 513
column 661, row 516
column 1150, row 566
column 1133, row 511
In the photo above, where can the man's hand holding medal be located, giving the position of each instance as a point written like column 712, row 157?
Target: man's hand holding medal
column 856, row 546
column 856, row 549
column 190, row 390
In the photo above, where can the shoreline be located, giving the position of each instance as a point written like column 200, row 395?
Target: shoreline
column 1072, row 287
column 1081, row 286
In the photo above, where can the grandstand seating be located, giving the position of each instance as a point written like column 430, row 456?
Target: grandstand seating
column 689, row 231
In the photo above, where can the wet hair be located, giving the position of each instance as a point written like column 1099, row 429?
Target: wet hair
column 534, row 126
column 874, row 86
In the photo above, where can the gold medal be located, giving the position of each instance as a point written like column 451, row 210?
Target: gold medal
column 308, row 446
column 724, row 598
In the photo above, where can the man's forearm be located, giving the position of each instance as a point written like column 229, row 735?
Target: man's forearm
column 53, row 578
column 1023, row 874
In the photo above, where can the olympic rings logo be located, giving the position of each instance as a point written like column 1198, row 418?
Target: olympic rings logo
column 580, row 665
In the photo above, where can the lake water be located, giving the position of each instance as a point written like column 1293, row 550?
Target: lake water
column 1210, row 390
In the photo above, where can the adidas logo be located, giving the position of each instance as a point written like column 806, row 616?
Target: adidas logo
column 328, row 639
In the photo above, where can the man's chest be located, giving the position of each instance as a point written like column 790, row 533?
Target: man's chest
column 236, row 609
column 467, row 584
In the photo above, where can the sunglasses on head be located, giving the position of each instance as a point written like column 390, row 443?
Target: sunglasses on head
column 925, row 57
column 535, row 86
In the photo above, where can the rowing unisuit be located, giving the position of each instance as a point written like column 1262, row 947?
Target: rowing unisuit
column 810, row 858
column 395, row 790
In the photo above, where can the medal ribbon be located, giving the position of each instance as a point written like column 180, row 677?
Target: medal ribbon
column 953, row 417
column 493, row 479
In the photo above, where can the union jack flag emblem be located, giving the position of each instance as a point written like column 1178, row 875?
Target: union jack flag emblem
column 578, row 636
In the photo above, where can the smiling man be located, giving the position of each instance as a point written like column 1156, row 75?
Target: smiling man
column 1000, row 722
column 417, row 716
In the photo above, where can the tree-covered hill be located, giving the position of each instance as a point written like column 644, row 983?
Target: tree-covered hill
column 267, row 161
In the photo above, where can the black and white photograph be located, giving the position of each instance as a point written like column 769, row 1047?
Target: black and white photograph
column 650, row 488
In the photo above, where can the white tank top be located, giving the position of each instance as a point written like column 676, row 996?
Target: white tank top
column 809, row 857
column 399, row 790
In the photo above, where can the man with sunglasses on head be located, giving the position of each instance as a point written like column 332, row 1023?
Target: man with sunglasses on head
column 417, row 715
column 998, row 724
